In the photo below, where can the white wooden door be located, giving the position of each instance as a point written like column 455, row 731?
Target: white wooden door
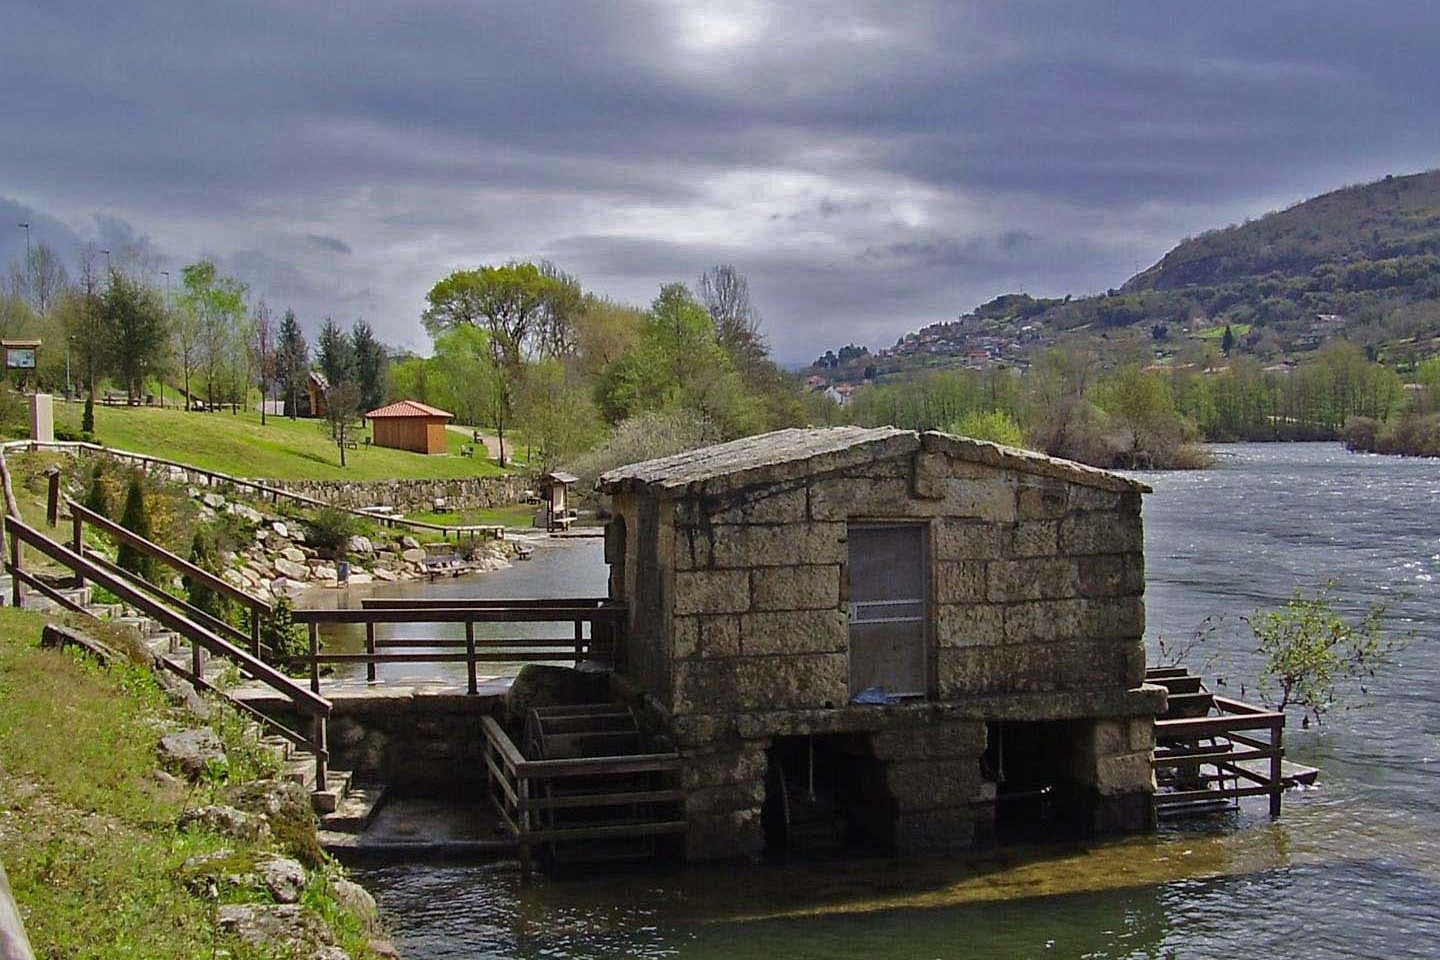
column 888, row 577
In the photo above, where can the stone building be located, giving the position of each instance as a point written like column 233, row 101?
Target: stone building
column 912, row 640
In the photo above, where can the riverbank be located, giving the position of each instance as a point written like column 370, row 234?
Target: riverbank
column 1409, row 435
column 139, row 819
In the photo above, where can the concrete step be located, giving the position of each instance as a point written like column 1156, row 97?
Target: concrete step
column 300, row 768
column 355, row 811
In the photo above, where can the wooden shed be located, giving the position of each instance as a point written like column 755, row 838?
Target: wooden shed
column 410, row 425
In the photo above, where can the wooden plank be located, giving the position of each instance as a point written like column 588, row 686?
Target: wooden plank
column 501, row 778
column 1158, row 673
column 1191, row 796
column 1179, row 684
column 649, row 829
column 601, row 766
column 496, row 735
column 1205, row 755
column 1237, row 706
column 441, row 642
column 1212, row 726
column 606, row 799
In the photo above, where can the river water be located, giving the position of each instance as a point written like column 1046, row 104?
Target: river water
column 1352, row 869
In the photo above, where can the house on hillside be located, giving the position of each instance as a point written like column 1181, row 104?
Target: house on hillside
column 410, row 425
column 313, row 401
column 911, row 639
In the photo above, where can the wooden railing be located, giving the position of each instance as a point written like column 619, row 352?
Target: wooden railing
column 606, row 621
column 200, row 638
column 1237, row 753
column 257, row 609
column 523, row 790
column 262, row 490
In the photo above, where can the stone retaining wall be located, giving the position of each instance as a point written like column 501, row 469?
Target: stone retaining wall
column 408, row 496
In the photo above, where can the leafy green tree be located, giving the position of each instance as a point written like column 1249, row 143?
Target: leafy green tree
column 1140, row 404
column 371, row 365
column 97, row 493
column 135, row 323
column 292, row 363
column 517, row 305
column 342, row 402
column 136, row 519
column 555, row 412
column 1315, row 656
column 1227, row 341
column 218, row 304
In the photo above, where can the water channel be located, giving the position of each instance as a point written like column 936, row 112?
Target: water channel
column 1352, row 869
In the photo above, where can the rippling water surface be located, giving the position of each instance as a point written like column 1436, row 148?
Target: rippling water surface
column 1352, row 869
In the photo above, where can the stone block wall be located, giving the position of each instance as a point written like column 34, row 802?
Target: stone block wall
column 407, row 496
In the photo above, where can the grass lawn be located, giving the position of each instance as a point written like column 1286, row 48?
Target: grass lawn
column 283, row 449
column 95, row 860
column 514, row 515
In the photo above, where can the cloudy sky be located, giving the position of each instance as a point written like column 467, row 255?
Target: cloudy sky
column 869, row 166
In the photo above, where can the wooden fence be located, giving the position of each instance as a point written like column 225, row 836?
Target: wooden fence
column 525, row 791
column 214, row 478
column 606, row 622
column 1210, row 748
column 201, row 639
column 257, row 609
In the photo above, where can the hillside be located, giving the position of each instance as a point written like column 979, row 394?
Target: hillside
column 282, row 449
column 1362, row 263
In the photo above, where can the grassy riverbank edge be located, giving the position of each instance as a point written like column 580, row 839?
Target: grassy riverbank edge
column 90, row 827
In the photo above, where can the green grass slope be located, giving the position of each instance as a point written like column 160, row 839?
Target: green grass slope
column 282, row 449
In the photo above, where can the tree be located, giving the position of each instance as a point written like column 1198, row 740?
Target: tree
column 334, row 353
column 1141, row 405
column 556, row 413
column 263, row 345
column 218, row 303
column 136, row 334
column 84, row 324
column 517, row 306
column 1227, row 341
column 341, row 403
column 40, row 279
column 136, row 519
column 371, row 365
column 292, row 363
column 197, row 592
column 1313, row 652
column 726, row 295
column 185, row 329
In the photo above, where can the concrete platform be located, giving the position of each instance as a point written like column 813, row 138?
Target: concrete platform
column 419, row 828
column 357, row 694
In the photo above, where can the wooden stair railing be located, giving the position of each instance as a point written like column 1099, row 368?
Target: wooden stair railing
column 122, row 585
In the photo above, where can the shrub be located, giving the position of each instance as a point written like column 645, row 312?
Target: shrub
column 282, row 634
column 136, row 519
column 330, row 531
column 204, row 553
column 997, row 426
column 97, row 497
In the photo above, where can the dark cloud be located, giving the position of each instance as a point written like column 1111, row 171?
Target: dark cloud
column 871, row 165
column 332, row 244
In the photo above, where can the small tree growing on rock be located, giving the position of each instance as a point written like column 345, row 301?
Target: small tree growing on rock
column 97, row 495
column 199, row 595
column 136, row 519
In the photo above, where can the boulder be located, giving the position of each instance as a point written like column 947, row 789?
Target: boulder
column 245, row 512
column 358, row 901
column 182, row 693
column 286, row 925
column 409, row 543
column 281, row 530
column 360, row 545
column 381, row 573
column 227, row 821
column 329, row 952
column 293, row 554
column 192, row 752
column 357, row 579
column 324, row 572
column 413, row 555
column 213, row 500
column 291, row 569
column 283, row 877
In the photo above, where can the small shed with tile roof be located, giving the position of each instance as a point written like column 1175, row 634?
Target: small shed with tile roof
column 410, row 425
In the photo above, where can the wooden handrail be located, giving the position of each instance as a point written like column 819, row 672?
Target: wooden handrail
column 312, row 703
column 208, row 621
column 179, row 564
column 426, row 603
column 465, row 615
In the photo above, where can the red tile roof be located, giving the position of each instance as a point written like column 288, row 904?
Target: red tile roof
column 408, row 408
